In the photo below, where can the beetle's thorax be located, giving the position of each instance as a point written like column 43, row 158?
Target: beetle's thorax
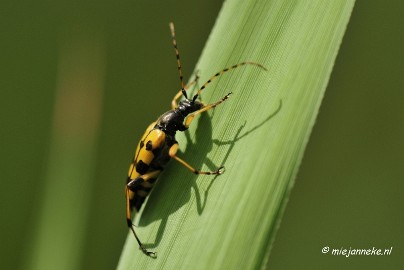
column 173, row 120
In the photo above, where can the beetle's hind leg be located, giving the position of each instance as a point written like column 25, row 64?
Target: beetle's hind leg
column 141, row 247
column 132, row 191
column 172, row 152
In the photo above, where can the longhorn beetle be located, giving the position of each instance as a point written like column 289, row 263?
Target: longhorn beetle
column 158, row 145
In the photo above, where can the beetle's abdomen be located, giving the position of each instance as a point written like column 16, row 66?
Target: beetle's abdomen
column 141, row 191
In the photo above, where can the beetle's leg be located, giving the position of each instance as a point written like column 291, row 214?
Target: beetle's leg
column 179, row 94
column 172, row 152
column 191, row 116
column 130, row 189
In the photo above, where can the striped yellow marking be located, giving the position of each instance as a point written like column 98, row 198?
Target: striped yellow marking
column 157, row 137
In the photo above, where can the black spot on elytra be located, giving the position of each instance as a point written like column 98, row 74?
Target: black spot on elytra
column 141, row 167
column 134, row 185
column 149, row 146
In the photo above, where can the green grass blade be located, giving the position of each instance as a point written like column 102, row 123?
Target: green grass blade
column 58, row 233
column 259, row 134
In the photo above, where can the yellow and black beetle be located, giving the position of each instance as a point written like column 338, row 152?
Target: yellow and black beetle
column 158, row 145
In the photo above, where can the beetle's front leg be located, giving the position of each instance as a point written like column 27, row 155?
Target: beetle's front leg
column 172, row 152
column 191, row 116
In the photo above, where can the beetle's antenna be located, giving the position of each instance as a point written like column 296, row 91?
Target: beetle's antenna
column 223, row 71
column 178, row 59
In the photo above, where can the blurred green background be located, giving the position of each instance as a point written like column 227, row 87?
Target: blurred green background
column 80, row 81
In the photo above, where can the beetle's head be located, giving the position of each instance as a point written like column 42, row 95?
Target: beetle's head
column 188, row 106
